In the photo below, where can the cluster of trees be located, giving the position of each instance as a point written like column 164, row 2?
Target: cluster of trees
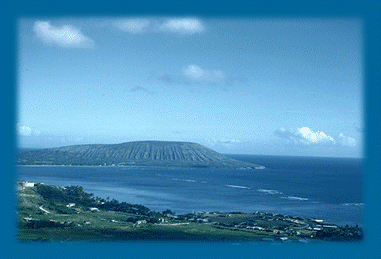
column 46, row 224
column 72, row 194
column 115, row 205
column 75, row 194
column 346, row 233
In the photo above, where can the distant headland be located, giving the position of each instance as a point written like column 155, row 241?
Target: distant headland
column 137, row 153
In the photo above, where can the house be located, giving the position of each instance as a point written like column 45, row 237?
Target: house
column 70, row 205
column 162, row 220
column 28, row 184
column 328, row 226
column 93, row 209
column 255, row 227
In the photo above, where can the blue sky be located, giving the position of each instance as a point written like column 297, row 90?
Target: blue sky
column 246, row 86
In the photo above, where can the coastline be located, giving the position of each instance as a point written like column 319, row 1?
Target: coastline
column 150, row 186
column 52, row 213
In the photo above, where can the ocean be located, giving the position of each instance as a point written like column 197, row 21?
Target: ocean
column 323, row 188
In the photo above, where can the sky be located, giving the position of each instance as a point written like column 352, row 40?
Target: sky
column 238, row 86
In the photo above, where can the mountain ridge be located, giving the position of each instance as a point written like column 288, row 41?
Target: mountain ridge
column 136, row 153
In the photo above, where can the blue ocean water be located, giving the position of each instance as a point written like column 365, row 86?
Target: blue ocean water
column 323, row 188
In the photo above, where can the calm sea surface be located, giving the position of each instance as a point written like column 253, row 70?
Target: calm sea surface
column 323, row 188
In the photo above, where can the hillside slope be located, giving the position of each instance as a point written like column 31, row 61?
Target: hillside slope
column 139, row 153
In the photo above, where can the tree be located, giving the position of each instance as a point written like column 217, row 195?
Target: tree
column 168, row 211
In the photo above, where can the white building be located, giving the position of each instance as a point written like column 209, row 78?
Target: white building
column 28, row 184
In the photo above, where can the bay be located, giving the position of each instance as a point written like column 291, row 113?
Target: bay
column 322, row 188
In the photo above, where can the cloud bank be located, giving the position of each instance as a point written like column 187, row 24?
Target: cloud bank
column 66, row 36
column 133, row 26
column 146, row 25
column 184, row 25
column 306, row 136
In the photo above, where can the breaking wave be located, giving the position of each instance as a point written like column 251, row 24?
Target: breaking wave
column 237, row 186
column 354, row 204
column 269, row 191
column 294, row 198
column 184, row 180
column 191, row 181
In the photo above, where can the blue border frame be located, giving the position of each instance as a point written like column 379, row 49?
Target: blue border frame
column 368, row 11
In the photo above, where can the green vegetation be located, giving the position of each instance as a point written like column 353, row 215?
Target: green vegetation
column 58, row 198
column 51, row 213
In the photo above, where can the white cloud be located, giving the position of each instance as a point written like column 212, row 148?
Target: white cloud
column 145, row 25
column 224, row 145
column 193, row 71
column 183, row 25
column 66, row 36
column 193, row 74
column 26, row 131
column 346, row 141
column 23, row 130
column 306, row 136
column 196, row 73
column 315, row 137
column 133, row 25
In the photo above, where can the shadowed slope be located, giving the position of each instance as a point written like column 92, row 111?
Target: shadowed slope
column 140, row 153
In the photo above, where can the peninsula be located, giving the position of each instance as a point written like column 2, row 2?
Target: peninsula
column 52, row 213
column 138, row 153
